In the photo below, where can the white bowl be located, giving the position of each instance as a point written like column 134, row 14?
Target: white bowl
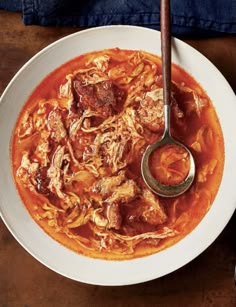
column 102, row 272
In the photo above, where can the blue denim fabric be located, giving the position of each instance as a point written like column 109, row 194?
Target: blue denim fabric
column 11, row 5
column 189, row 17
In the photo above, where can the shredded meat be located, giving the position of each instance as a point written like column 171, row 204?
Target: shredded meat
column 26, row 171
column 206, row 170
column 107, row 185
column 124, row 193
column 26, row 128
column 104, row 97
column 99, row 219
column 153, row 212
column 151, row 110
column 54, row 172
column 113, row 216
column 56, row 126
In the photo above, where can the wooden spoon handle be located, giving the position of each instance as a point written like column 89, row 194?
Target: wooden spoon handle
column 166, row 50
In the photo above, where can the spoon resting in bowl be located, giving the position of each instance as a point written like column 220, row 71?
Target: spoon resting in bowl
column 163, row 189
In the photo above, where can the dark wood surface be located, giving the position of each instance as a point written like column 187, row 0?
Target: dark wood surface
column 206, row 281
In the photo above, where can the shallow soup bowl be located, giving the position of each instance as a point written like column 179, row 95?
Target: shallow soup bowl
column 54, row 255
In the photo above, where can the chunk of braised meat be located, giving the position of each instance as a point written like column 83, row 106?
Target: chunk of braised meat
column 42, row 181
column 153, row 212
column 113, row 216
column 151, row 110
column 147, row 209
column 104, row 97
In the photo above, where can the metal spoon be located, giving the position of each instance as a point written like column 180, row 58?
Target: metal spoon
column 152, row 183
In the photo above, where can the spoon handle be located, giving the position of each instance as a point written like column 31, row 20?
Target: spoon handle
column 166, row 50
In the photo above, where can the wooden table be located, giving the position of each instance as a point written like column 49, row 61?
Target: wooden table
column 206, row 281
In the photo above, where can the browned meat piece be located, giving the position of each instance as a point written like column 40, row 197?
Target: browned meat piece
column 103, row 97
column 188, row 99
column 107, row 185
column 113, row 216
column 153, row 213
column 124, row 193
column 146, row 209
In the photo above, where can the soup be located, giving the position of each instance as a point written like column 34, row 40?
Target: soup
column 77, row 148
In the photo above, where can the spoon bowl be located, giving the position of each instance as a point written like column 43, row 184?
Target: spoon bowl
column 158, row 187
